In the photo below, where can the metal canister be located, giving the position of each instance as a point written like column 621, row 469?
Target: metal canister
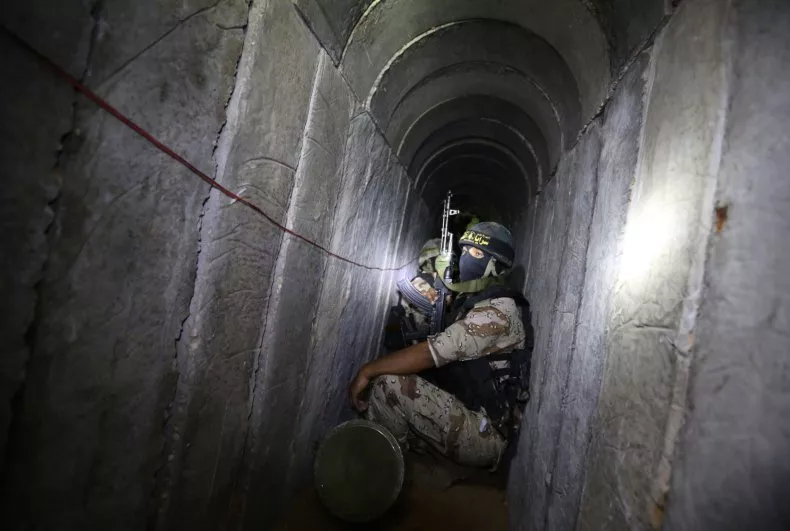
column 359, row 471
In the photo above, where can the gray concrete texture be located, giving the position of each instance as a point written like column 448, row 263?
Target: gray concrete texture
column 555, row 279
column 578, row 224
column 664, row 299
column 30, row 151
column 36, row 121
column 627, row 24
column 732, row 470
column 655, row 303
column 177, row 329
column 173, row 359
column 87, row 436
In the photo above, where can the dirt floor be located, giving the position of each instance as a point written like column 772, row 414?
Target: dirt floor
column 435, row 496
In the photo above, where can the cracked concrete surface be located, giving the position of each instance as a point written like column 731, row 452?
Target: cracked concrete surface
column 171, row 359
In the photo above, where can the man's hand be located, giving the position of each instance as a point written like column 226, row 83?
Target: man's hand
column 359, row 385
column 410, row 360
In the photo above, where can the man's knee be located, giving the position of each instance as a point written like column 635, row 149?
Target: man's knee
column 397, row 389
column 385, row 391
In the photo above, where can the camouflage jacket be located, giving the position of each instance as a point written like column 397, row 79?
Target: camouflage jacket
column 492, row 326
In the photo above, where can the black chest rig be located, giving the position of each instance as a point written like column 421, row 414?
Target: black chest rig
column 497, row 382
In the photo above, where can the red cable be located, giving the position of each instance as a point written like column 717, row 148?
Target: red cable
column 175, row 156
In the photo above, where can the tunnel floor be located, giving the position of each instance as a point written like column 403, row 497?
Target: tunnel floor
column 436, row 495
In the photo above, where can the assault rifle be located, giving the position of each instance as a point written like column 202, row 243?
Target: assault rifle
column 414, row 297
column 445, row 277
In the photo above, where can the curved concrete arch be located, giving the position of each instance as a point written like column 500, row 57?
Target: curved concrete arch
column 483, row 79
column 456, row 46
column 486, row 80
column 474, row 106
column 482, row 116
column 388, row 26
column 464, row 146
column 497, row 170
column 480, row 130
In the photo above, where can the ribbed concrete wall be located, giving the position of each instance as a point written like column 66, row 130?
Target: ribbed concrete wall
column 186, row 356
column 651, row 384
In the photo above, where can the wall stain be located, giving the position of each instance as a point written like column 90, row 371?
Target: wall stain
column 722, row 213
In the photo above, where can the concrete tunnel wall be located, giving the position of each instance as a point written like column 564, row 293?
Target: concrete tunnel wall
column 184, row 357
column 173, row 359
column 660, row 395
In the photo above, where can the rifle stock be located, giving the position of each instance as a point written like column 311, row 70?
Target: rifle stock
column 414, row 297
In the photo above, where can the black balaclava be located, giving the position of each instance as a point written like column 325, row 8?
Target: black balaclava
column 470, row 268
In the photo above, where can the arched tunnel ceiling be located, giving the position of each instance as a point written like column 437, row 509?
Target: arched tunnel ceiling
column 505, row 57
column 494, row 89
column 478, row 131
column 481, row 116
column 482, row 80
column 371, row 32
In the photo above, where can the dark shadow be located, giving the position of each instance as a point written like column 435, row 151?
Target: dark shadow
column 517, row 277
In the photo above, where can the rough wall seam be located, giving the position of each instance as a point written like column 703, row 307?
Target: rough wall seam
column 554, row 307
column 551, row 497
column 52, row 206
column 341, row 170
column 358, row 23
column 233, row 112
column 647, row 90
column 95, row 12
column 306, row 21
column 646, row 43
column 357, row 99
column 275, row 291
column 381, row 133
column 531, row 242
column 684, row 340
column 537, row 381
column 600, row 20
column 162, row 487
column 263, row 363
column 156, row 41
column 17, row 397
column 395, row 253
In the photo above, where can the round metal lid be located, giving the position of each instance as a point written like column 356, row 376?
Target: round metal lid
column 359, row 470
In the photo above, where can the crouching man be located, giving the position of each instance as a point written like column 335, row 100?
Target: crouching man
column 471, row 407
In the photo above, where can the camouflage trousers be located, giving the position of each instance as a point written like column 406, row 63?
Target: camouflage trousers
column 415, row 410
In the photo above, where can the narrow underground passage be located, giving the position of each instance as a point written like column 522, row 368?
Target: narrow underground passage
column 174, row 359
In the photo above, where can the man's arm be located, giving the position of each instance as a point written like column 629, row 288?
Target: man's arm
column 409, row 360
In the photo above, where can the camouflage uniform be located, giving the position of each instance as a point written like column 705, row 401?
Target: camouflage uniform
column 410, row 406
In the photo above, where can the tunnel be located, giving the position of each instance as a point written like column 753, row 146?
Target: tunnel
column 207, row 204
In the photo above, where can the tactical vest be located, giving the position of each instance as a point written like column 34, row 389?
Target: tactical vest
column 497, row 382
